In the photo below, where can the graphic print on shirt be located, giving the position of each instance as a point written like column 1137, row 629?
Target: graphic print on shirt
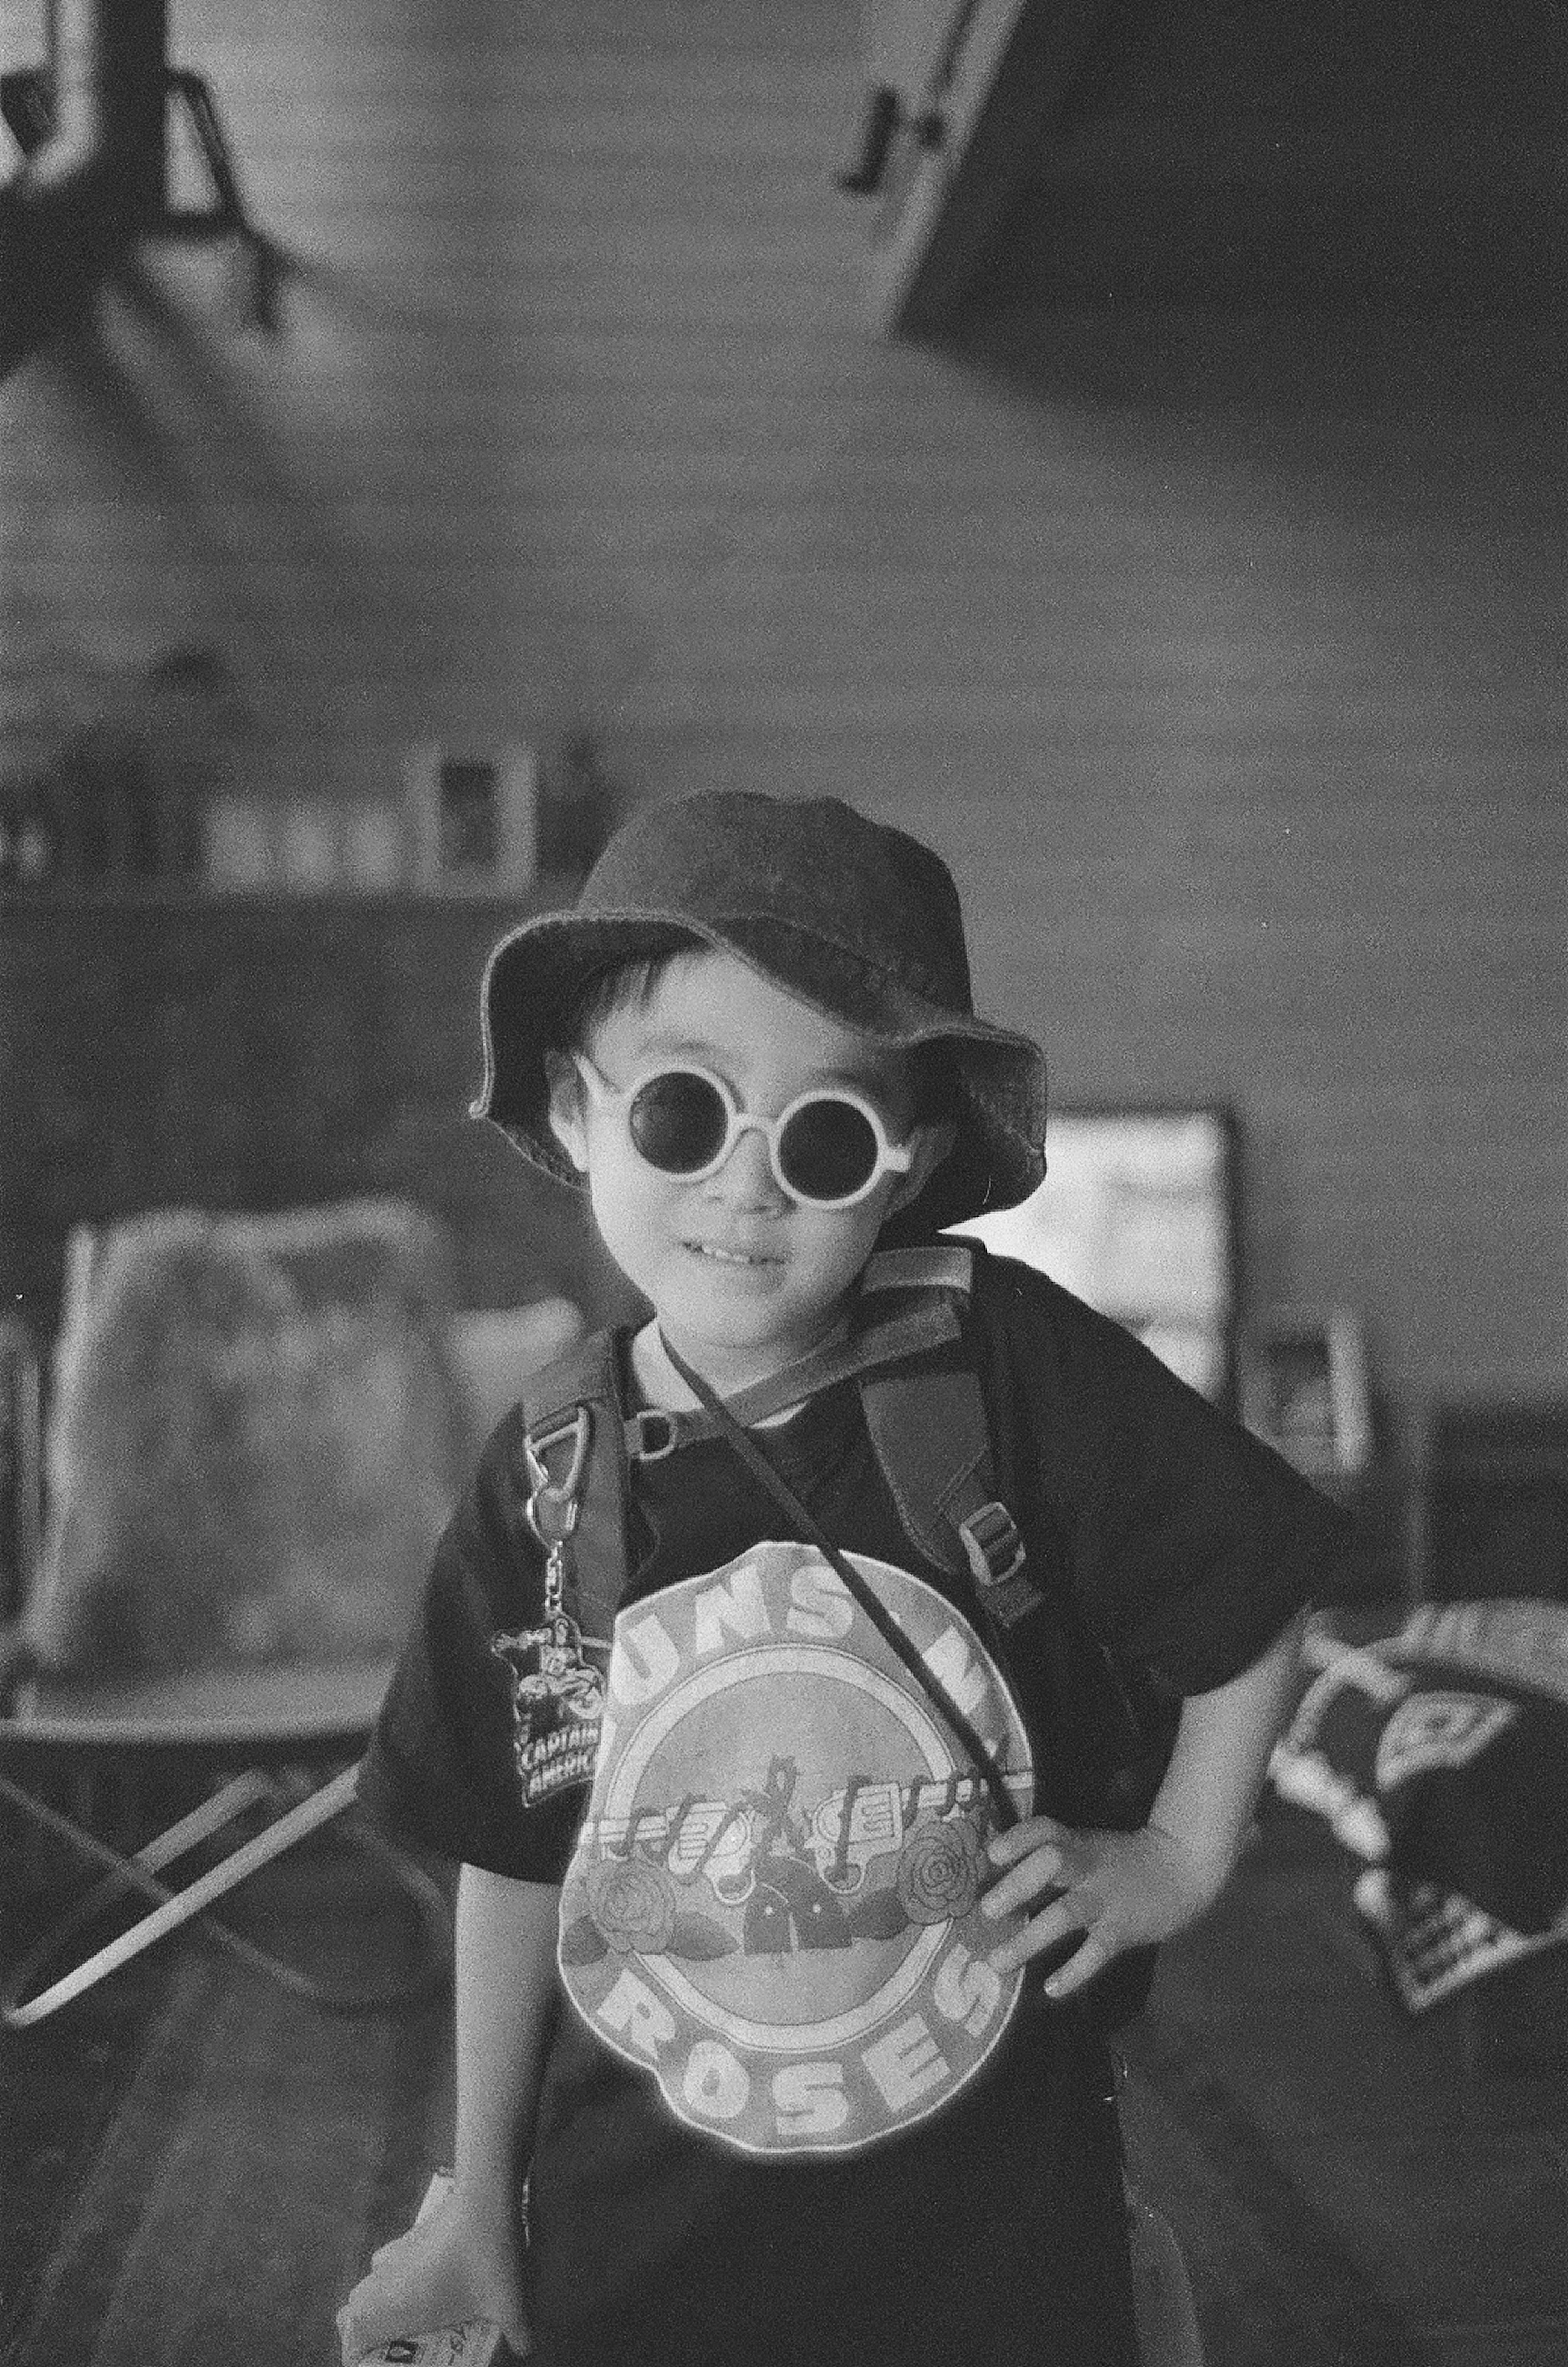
column 774, row 1906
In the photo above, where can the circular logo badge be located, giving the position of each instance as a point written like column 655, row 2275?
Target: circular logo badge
column 773, row 1905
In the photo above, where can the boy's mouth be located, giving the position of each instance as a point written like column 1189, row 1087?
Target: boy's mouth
column 732, row 1257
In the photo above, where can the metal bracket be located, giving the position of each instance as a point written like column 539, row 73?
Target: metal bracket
column 27, row 104
column 886, row 116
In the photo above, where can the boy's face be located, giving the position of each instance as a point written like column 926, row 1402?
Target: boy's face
column 742, row 1277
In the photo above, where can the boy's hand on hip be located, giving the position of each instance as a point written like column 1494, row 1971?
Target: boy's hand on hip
column 1119, row 1890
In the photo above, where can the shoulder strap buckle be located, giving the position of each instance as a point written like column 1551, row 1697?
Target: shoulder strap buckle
column 992, row 1545
column 652, row 1432
column 993, row 1551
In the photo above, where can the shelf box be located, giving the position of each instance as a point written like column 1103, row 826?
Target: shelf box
column 473, row 819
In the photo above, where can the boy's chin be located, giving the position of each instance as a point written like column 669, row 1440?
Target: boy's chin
column 750, row 1318
column 724, row 1326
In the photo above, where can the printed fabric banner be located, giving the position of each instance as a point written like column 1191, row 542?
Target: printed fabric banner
column 1439, row 1756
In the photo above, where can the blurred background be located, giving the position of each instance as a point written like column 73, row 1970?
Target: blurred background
column 1122, row 442
column 1189, row 571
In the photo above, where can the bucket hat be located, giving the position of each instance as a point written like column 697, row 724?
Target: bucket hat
column 851, row 915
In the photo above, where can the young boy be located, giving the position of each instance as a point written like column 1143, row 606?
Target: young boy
column 785, row 2014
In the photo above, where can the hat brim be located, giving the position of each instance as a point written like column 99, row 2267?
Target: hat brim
column 535, row 976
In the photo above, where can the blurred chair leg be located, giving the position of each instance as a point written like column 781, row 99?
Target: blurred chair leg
column 176, row 1908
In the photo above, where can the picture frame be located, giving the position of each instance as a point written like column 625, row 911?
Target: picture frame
column 1306, row 1390
column 473, row 819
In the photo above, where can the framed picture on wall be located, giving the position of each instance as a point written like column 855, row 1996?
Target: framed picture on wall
column 1305, row 1388
column 473, row 819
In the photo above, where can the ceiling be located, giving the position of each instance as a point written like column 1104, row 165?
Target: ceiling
column 1402, row 155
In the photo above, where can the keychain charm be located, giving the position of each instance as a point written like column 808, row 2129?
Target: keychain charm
column 558, row 1696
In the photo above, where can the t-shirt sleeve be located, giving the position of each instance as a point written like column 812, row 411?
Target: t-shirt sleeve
column 442, row 1764
column 1192, row 1543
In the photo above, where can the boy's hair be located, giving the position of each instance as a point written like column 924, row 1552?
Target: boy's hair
column 616, row 986
column 933, row 1068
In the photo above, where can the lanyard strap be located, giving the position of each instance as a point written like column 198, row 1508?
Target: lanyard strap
column 887, row 1626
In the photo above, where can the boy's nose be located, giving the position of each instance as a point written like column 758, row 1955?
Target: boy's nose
column 746, row 1178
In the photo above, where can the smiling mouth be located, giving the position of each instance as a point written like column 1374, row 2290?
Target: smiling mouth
column 732, row 1257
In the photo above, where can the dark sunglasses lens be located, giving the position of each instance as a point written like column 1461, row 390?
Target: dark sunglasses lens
column 827, row 1151
column 678, row 1123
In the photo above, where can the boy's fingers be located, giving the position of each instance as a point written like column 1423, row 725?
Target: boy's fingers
column 1044, row 1860
column 1064, row 1919
column 1045, row 1871
column 353, row 2347
column 358, row 2329
column 1007, row 1848
column 1081, row 1966
column 365, row 2334
column 377, row 2311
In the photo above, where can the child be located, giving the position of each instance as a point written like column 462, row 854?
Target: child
column 748, row 1983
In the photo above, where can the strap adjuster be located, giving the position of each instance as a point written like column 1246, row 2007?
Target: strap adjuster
column 992, row 1545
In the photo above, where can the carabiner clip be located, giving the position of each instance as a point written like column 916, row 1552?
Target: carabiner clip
column 538, row 1444
column 551, row 1511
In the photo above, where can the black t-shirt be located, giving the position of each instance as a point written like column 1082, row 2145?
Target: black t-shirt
column 787, row 2108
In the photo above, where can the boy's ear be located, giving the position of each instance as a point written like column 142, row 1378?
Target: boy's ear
column 566, row 1109
column 932, row 1144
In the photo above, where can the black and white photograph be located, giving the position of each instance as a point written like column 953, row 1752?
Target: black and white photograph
column 784, row 1184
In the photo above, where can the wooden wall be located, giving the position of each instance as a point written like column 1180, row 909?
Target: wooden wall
column 1221, row 657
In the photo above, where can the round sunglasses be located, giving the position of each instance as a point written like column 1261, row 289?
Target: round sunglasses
column 828, row 1149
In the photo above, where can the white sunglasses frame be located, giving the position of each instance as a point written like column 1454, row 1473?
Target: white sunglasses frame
column 892, row 1159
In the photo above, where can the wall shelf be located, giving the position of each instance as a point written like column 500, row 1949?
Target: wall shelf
column 544, row 895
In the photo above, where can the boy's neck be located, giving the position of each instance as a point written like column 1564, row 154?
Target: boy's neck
column 727, row 1374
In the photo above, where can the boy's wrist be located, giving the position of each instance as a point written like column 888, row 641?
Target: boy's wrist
column 1199, row 1864
column 484, row 2193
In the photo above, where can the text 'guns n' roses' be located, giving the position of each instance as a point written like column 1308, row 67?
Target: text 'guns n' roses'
column 773, row 1903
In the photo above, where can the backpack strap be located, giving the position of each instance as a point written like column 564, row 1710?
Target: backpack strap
column 905, row 1306
column 928, row 1430
column 930, row 1266
column 931, row 1440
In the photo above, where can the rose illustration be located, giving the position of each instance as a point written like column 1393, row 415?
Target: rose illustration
column 938, row 1872
column 633, row 1904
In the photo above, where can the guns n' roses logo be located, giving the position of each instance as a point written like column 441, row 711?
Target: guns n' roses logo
column 774, row 1906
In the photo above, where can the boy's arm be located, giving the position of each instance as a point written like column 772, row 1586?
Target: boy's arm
column 1223, row 1748
column 1123, row 1890
column 505, row 1979
column 463, row 2261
